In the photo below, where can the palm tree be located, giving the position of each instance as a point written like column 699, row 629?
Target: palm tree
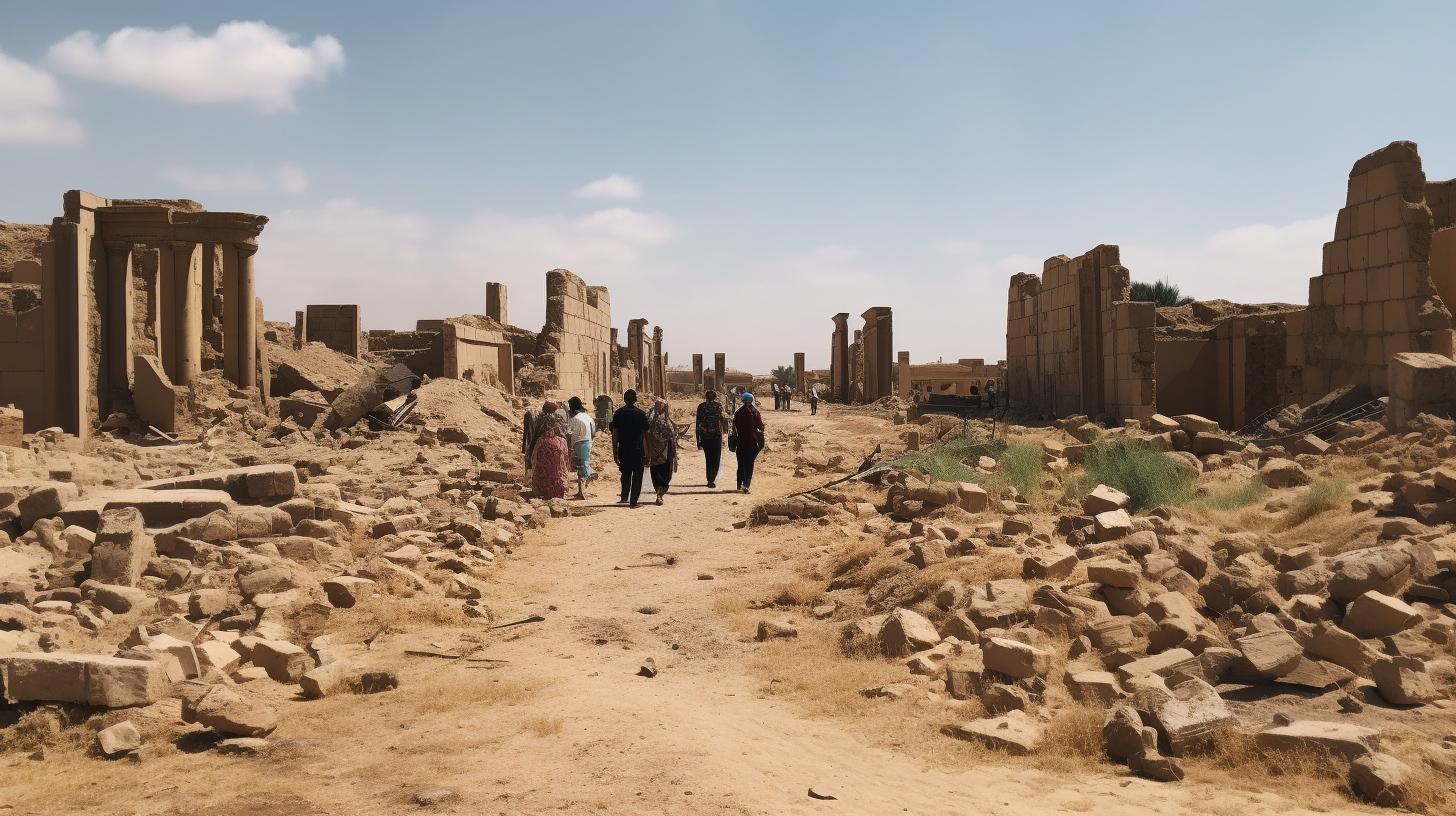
column 1160, row 292
column 783, row 375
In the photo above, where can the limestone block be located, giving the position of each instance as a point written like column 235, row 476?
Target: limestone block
column 1419, row 383
column 1193, row 424
column 1191, row 717
column 1375, row 614
column 218, row 655
column 1114, row 572
column 1094, row 687
column 97, row 680
column 904, row 633
column 1382, row 779
column 1103, row 499
column 973, row 497
column 327, row 680
column 999, row 603
column 117, row 599
column 45, row 501
column 12, row 426
column 1404, row 681
column 1341, row 739
column 1013, row 732
column 180, row 650
column 1383, row 569
column 1051, row 562
column 1014, row 658
column 122, row 548
column 1112, row 525
column 1311, row 444
column 225, row 711
column 1270, row 653
column 285, row 662
column 1159, row 665
column 1280, row 473
column 158, row 401
column 119, row 738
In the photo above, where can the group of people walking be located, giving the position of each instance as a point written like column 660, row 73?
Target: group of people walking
column 556, row 443
column 784, row 398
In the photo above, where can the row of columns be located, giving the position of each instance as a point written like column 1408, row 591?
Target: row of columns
column 180, row 302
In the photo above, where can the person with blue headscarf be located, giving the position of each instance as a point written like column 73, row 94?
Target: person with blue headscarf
column 748, row 429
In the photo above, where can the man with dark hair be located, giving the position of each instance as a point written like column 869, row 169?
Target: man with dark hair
column 711, row 427
column 629, row 447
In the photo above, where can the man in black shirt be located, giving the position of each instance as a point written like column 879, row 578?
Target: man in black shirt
column 711, row 427
column 629, row 449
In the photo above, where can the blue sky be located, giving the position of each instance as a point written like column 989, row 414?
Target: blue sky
column 757, row 166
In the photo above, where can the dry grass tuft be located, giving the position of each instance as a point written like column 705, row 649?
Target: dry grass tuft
column 1072, row 741
column 1323, row 495
column 542, row 726
column 797, row 593
column 387, row 612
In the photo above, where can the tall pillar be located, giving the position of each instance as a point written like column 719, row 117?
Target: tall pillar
column 243, row 308
column 495, row 302
column 800, row 378
column 231, row 314
column 903, row 370
column 187, row 311
column 659, row 367
column 697, row 373
column 856, row 368
column 878, row 354
column 164, row 300
column 118, row 315
column 719, row 368
column 839, row 368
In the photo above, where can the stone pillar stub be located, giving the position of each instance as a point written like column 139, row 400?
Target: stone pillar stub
column 495, row 302
column 800, row 378
column 902, row 369
column 719, row 369
column 697, row 373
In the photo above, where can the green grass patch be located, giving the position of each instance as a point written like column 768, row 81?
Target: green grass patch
column 1234, row 499
column 946, row 461
column 1021, row 468
column 1148, row 476
column 1322, row 496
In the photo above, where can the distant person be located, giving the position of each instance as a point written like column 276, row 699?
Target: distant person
column 788, row 398
column 813, row 402
column 629, row 448
column 581, row 428
column 603, row 406
column 548, row 453
column 528, row 435
column 748, row 430
column 711, row 428
column 661, row 447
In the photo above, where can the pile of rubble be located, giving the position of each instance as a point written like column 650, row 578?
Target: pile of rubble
column 133, row 577
column 1154, row 617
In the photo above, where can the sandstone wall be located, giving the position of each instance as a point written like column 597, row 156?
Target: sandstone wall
column 579, row 328
column 336, row 326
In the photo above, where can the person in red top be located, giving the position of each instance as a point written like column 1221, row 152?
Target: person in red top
column 748, row 428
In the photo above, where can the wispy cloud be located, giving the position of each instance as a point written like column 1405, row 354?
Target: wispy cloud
column 249, row 62
column 287, row 179
column 30, row 105
column 1252, row 263
column 958, row 248
column 614, row 186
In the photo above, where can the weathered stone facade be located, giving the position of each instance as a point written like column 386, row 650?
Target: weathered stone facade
column 579, row 332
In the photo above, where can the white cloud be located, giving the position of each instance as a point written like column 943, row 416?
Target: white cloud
column 1257, row 263
column 240, row 62
column 402, row 267
column 30, row 101
column 957, row 248
column 614, row 186
column 286, row 179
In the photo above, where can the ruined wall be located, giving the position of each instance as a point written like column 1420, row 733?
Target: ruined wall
column 579, row 330
column 1376, row 295
column 336, row 326
column 478, row 355
column 1074, row 344
column 878, row 355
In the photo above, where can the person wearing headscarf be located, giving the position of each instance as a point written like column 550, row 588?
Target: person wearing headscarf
column 748, row 430
column 661, row 447
column 581, row 428
column 548, row 453
column 629, row 430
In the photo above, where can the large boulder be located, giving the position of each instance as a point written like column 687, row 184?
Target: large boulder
column 1014, row 658
column 1382, row 779
column 1280, row 473
column 225, row 711
column 905, row 632
column 1342, row 739
column 97, row 680
column 1191, row 717
column 1376, row 614
column 1382, row 569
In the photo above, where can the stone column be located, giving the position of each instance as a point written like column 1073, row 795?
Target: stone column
column 800, row 378
column 659, row 369
column 856, row 372
column 300, row 329
column 118, row 308
column 902, row 368
column 719, row 367
column 839, row 369
column 247, row 318
column 187, row 311
column 697, row 373
column 231, row 349
column 495, row 302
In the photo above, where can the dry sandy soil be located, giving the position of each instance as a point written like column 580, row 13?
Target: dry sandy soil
column 557, row 718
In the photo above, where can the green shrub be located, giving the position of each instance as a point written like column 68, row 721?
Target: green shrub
column 1233, row 500
column 1160, row 292
column 1147, row 475
column 946, row 461
column 1021, row 468
column 1323, row 495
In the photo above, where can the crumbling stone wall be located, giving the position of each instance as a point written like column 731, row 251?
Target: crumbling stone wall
column 1075, row 344
column 1376, row 296
column 579, row 334
column 336, row 326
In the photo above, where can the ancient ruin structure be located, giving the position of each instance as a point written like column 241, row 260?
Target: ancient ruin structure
column 579, row 331
column 697, row 373
column 1075, row 344
column 134, row 299
column 337, row 327
column 801, row 380
column 963, row 377
column 495, row 302
column 839, row 365
column 719, row 371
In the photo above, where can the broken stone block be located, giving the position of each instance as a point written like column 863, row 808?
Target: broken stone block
column 327, row 680
column 227, row 712
column 1341, row 648
column 205, row 603
column 97, row 680
column 927, row 553
column 1376, row 614
column 768, row 630
column 973, row 497
column 122, row 548
column 285, row 662
column 904, row 633
column 1052, row 562
column 1191, row 718
column 1112, row 525
column 217, row 655
column 45, row 501
column 1015, row 526
column 1013, row 732
column 345, row 591
column 1270, row 653
column 1311, row 445
column 1122, row 733
column 1281, row 473
column 180, row 650
column 1014, row 658
column 1419, row 382
column 1103, row 499
column 1113, row 572
column 1381, row 778
column 1340, row 739
column 999, row 698
column 1094, row 687
column 1383, row 569
column 1404, row 681
column 960, row 627
column 999, row 603
column 119, row 738
column 116, row 599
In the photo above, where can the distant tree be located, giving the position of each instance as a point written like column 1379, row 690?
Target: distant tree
column 1159, row 292
column 783, row 375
